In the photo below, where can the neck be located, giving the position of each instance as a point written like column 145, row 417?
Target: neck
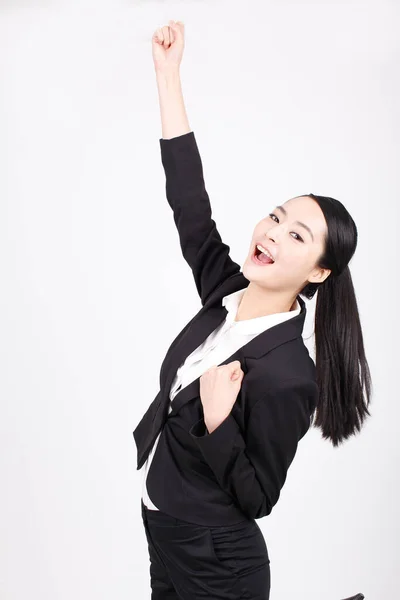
column 258, row 302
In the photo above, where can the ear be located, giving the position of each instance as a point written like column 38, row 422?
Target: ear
column 319, row 275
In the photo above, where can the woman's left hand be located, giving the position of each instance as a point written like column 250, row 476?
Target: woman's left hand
column 219, row 387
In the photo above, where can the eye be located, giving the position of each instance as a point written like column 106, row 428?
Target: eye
column 299, row 238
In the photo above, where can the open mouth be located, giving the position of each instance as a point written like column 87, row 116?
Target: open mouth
column 261, row 258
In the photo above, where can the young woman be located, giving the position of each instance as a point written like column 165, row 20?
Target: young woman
column 238, row 389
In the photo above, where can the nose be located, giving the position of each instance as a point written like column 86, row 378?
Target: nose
column 275, row 232
column 272, row 235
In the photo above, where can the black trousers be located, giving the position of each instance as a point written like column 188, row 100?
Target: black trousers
column 189, row 561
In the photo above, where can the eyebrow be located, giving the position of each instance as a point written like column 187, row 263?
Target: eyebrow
column 298, row 222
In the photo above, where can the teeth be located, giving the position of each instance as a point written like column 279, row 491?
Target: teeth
column 265, row 251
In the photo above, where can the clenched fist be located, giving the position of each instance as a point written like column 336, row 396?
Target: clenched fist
column 168, row 43
column 219, row 387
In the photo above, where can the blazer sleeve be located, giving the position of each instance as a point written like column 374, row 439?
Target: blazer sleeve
column 201, row 244
column 253, row 469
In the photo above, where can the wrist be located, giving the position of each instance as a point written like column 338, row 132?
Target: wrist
column 167, row 73
column 213, row 422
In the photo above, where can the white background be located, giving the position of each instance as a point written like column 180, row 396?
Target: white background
column 285, row 98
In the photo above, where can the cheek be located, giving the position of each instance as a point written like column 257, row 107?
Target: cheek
column 257, row 236
column 259, row 232
column 296, row 261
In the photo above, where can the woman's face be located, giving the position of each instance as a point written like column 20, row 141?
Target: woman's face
column 294, row 234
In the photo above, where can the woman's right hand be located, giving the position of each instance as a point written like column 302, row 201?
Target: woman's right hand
column 167, row 46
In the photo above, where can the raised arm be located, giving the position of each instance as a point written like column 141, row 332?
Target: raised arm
column 201, row 244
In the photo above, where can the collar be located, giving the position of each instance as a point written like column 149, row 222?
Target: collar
column 231, row 303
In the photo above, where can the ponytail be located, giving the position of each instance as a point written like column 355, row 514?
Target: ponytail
column 343, row 375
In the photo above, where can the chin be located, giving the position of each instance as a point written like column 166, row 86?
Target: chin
column 252, row 272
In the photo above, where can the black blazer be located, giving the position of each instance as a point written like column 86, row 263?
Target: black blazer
column 236, row 472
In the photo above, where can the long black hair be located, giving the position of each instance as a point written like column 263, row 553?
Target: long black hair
column 343, row 375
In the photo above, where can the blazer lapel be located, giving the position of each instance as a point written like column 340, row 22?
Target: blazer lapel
column 200, row 329
column 203, row 325
column 206, row 320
